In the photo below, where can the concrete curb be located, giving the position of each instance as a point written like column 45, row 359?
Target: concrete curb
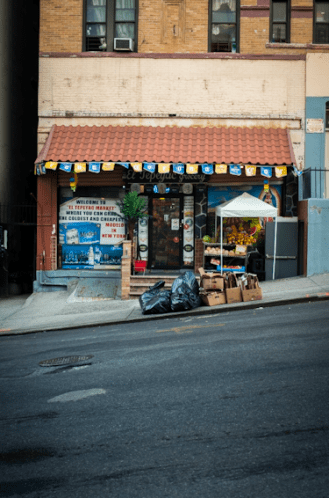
column 203, row 310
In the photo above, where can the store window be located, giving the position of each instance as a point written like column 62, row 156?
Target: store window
column 224, row 25
column 110, row 25
column 321, row 22
column 280, row 21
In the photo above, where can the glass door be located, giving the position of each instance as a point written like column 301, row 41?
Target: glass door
column 165, row 233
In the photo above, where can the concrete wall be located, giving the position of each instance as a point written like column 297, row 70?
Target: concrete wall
column 185, row 87
column 318, row 236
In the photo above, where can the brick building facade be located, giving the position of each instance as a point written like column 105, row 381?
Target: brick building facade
column 188, row 64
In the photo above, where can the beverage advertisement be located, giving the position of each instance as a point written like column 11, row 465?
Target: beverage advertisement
column 188, row 232
column 91, row 232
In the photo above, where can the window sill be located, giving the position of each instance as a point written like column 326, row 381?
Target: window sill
column 308, row 46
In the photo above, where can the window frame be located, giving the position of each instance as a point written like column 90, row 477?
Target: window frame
column 287, row 22
column 110, row 26
column 237, row 24
column 315, row 3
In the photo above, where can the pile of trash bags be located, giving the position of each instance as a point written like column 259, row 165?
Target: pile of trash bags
column 184, row 295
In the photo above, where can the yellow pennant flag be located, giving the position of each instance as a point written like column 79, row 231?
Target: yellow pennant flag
column 280, row 171
column 108, row 166
column 137, row 167
column 250, row 170
column 80, row 167
column 220, row 169
column 163, row 168
column 51, row 165
column 192, row 169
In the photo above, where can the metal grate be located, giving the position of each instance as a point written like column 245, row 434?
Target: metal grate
column 25, row 214
column 64, row 360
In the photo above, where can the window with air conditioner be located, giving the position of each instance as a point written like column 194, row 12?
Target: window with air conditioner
column 280, row 21
column 107, row 22
column 224, row 26
column 321, row 22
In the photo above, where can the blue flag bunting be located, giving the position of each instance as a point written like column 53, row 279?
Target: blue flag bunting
column 235, row 169
column 297, row 172
column 266, row 171
column 125, row 165
column 65, row 167
column 178, row 168
column 94, row 167
column 149, row 167
column 207, row 169
column 42, row 169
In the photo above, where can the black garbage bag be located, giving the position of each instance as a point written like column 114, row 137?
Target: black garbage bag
column 148, row 295
column 159, row 303
column 185, row 293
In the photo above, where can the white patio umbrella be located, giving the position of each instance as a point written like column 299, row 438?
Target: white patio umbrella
column 245, row 205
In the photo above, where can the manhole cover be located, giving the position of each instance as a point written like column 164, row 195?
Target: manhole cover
column 64, row 360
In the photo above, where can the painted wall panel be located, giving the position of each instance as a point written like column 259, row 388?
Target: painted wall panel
column 318, row 236
column 317, row 75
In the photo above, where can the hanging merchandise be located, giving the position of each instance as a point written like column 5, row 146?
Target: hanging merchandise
column 163, row 168
column 221, row 169
column 235, row 169
column 266, row 186
column 149, row 167
column 80, row 167
column 108, row 166
column 51, row 165
column 207, row 169
column 280, row 171
column 250, row 170
column 137, row 167
column 74, row 182
column 65, row 167
column 94, row 167
column 178, row 168
column 266, row 171
column 192, row 169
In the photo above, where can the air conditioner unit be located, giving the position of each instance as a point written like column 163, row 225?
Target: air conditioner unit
column 124, row 44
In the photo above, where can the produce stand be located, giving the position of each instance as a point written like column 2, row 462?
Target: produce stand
column 244, row 206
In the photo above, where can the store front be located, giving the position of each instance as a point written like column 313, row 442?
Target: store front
column 183, row 174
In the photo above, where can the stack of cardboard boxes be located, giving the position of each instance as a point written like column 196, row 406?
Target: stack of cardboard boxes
column 217, row 288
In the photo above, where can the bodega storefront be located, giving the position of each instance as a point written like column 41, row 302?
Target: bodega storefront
column 83, row 172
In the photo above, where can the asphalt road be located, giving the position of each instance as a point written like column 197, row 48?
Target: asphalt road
column 229, row 405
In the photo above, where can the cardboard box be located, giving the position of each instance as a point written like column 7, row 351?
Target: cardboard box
column 251, row 290
column 213, row 280
column 233, row 295
column 252, row 294
column 213, row 298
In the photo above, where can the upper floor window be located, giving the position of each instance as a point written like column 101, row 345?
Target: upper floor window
column 280, row 21
column 321, row 22
column 224, row 29
column 108, row 22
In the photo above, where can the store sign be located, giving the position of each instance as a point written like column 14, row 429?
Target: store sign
column 314, row 126
column 90, row 231
column 146, row 177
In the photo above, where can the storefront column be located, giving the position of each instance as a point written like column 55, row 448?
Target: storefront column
column 126, row 269
column 46, row 257
column 198, row 259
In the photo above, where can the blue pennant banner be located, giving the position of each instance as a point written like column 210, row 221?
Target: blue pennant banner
column 178, row 168
column 207, row 169
column 235, row 169
column 297, row 172
column 37, row 169
column 42, row 169
column 266, row 171
column 94, row 167
column 65, row 167
column 149, row 167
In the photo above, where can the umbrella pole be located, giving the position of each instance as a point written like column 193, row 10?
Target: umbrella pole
column 221, row 245
column 275, row 235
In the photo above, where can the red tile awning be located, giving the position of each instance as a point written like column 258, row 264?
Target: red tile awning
column 268, row 146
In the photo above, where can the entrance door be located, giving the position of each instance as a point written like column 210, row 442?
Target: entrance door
column 165, row 233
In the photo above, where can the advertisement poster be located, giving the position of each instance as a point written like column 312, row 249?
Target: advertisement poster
column 188, row 232
column 218, row 195
column 91, row 232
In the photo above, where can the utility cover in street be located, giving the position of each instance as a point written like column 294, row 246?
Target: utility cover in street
column 64, row 360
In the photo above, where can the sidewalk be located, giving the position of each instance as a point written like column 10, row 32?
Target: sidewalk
column 63, row 310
